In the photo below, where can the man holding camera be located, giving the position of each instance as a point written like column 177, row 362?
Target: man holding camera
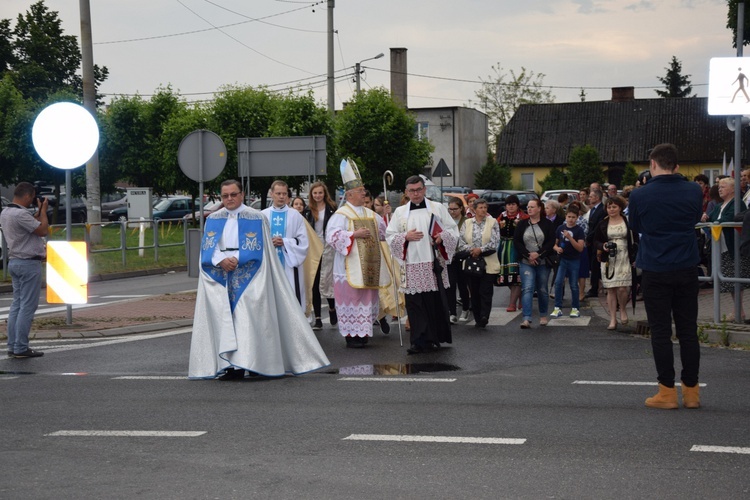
column 665, row 212
column 24, row 234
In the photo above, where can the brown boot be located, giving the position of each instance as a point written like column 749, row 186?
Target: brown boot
column 691, row 397
column 666, row 398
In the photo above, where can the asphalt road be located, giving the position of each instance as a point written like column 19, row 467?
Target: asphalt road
column 549, row 405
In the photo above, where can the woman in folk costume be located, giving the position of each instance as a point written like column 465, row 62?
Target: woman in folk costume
column 318, row 214
column 359, row 267
column 423, row 236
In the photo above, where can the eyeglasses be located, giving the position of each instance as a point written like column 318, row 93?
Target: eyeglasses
column 230, row 195
column 415, row 191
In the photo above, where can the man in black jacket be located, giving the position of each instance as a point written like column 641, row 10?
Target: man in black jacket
column 596, row 215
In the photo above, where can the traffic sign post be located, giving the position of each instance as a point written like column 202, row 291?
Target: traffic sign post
column 442, row 170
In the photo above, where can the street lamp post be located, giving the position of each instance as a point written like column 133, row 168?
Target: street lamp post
column 358, row 69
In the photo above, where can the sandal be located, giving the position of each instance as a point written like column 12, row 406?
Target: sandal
column 543, row 321
column 511, row 308
column 526, row 324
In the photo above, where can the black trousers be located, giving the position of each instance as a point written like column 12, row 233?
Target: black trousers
column 427, row 320
column 596, row 270
column 482, row 288
column 667, row 296
column 457, row 279
column 316, row 299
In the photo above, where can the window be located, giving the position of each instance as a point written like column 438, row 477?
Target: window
column 528, row 181
column 423, row 130
column 712, row 174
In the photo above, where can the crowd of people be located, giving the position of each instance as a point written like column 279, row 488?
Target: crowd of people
column 421, row 260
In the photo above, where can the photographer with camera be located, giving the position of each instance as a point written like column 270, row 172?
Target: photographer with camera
column 24, row 234
column 616, row 248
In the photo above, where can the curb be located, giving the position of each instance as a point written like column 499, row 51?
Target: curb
column 112, row 332
column 7, row 288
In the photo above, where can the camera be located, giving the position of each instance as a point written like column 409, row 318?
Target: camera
column 611, row 248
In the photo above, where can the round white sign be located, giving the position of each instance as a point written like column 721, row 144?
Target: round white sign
column 65, row 135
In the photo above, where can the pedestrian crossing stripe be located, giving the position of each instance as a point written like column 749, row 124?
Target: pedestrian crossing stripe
column 67, row 272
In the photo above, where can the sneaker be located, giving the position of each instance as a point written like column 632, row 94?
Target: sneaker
column 333, row 317
column 465, row 316
column 318, row 325
column 384, row 326
column 28, row 353
column 454, row 319
column 556, row 313
column 575, row 313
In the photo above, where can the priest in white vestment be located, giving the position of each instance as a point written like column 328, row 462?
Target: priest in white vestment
column 289, row 238
column 246, row 317
column 423, row 237
column 359, row 267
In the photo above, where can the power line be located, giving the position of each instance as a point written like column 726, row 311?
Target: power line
column 243, row 44
column 308, row 5
column 264, row 22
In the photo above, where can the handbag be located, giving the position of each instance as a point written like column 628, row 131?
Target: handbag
column 552, row 260
column 475, row 266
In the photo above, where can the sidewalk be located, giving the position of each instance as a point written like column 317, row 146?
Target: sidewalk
column 170, row 311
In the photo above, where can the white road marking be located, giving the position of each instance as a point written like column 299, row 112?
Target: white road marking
column 721, row 449
column 127, row 433
column 611, row 382
column 129, row 338
column 498, row 317
column 395, row 379
column 568, row 321
column 433, row 439
column 123, row 296
column 149, row 377
column 7, row 378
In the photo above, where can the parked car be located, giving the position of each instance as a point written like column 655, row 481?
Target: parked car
column 460, row 196
column 113, row 201
column 552, row 194
column 457, row 189
column 78, row 212
column 496, row 200
column 209, row 208
column 172, row 207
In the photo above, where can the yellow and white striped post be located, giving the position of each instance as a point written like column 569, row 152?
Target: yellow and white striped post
column 67, row 272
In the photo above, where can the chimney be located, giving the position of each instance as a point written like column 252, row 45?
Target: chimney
column 622, row 94
column 398, row 75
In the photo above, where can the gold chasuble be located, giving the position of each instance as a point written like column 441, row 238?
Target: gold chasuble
column 365, row 264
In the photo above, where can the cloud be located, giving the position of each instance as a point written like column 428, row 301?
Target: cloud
column 640, row 6
column 589, row 6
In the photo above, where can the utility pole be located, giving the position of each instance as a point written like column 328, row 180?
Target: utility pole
column 358, row 69
column 93, row 191
column 331, row 92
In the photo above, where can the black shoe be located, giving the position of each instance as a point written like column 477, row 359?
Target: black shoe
column 415, row 349
column 318, row 325
column 384, row 326
column 333, row 316
column 233, row 374
column 28, row 353
column 591, row 294
column 354, row 342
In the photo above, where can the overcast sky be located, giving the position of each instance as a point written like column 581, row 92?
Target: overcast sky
column 199, row 45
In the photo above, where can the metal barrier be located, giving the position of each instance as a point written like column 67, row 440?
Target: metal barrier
column 717, row 277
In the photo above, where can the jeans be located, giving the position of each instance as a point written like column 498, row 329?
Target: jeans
column 568, row 268
column 666, row 296
column 534, row 277
column 27, row 283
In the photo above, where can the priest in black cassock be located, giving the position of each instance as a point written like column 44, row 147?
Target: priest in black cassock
column 423, row 236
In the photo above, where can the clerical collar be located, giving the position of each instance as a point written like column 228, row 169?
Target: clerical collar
column 237, row 210
column 416, row 206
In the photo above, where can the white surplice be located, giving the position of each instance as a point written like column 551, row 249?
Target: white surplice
column 295, row 246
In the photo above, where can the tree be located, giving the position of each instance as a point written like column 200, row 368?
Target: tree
column 675, row 83
column 492, row 176
column 630, row 175
column 555, row 179
column 378, row 134
column 584, row 167
column 732, row 22
column 502, row 95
